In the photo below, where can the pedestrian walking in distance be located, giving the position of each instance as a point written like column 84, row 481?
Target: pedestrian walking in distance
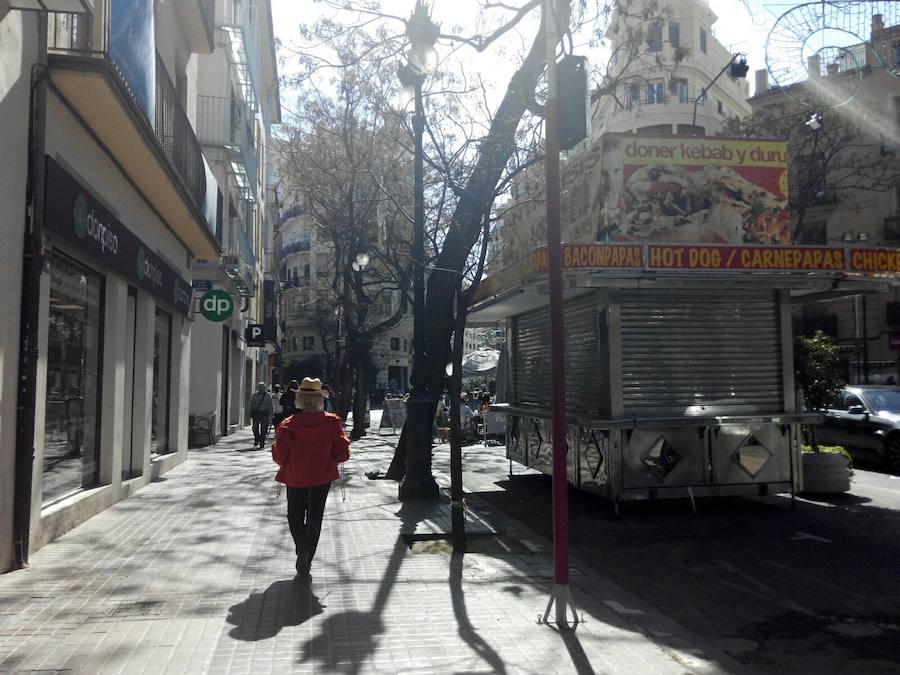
column 276, row 405
column 308, row 447
column 260, row 414
column 289, row 399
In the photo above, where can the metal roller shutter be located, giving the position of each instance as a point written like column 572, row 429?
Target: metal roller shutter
column 701, row 352
column 532, row 356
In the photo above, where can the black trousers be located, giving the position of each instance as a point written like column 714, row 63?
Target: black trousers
column 260, row 427
column 306, row 507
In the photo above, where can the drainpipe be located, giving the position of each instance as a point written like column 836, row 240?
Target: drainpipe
column 33, row 263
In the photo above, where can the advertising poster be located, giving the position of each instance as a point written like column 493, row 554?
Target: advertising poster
column 132, row 48
column 696, row 190
column 666, row 189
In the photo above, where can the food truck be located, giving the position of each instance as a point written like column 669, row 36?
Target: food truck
column 679, row 355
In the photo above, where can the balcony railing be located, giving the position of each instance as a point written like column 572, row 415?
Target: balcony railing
column 286, row 214
column 240, row 265
column 83, row 36
column 228, row 123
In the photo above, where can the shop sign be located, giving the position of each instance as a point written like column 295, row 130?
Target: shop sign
column 216, row 305
column 202, row 285
column 270, row 320
column 697, row 257
column 255, row 335
column 750, row 258
column 633, row 188
column 74, row 215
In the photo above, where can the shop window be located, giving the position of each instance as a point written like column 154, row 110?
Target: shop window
column 395, row 344
column 162, row 383
column 74, row 351
column 309, row 343
column 702, row 40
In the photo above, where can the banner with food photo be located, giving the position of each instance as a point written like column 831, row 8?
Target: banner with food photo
column 694, row 190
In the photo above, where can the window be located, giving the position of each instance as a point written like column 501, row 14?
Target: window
column 656, row 92
column 306, row 271
column 679, row 88
column 395, row 344
column 309, row 343
column 702, row 40
column 654, row 37
column 162, row 359
column 897, row 54
column 74, row 349
column 634, row 95
column 674, row 34
column 719, row 107
column 814, row 232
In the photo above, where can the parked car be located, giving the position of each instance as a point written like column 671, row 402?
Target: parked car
column 866, row 421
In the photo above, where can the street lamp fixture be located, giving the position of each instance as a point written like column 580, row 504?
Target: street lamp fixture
column 815, row 122
column 738, row 67
column 418, row 483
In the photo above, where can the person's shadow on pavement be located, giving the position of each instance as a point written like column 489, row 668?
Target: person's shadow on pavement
column 289, row 602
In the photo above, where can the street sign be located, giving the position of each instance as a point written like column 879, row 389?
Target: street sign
column 216, row 305
column 255, row 335
column 202, row 285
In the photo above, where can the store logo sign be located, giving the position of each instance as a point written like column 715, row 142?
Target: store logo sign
column 216, row 305
column 86, row 224
column 147, row 270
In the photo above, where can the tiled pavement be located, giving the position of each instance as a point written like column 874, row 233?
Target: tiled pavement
column 194, row 573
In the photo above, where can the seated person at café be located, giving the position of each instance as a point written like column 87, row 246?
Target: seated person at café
column 466, row 416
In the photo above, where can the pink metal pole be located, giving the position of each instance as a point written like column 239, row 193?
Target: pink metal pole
column 561, row 594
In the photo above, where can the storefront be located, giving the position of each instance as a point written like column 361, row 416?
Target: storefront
column 114, row 346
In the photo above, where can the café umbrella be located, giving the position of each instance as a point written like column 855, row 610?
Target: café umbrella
column 480, row 363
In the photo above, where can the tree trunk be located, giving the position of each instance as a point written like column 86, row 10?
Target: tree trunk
column 345, row 395
column 363, row 368
column 477, row 197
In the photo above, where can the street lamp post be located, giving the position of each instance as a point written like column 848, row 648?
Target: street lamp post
column 418, row 483
column 738, row 69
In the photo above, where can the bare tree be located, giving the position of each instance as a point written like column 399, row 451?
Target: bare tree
column 477, row 138
column 833, row 161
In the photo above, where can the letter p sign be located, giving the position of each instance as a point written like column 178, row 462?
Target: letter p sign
column 255, row 335
column 216, row 305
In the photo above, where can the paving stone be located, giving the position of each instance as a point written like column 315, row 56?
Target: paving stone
column 194, row 574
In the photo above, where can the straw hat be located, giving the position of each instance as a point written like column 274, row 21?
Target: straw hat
column 312, row 387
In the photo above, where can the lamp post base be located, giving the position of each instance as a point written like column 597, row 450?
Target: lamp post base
column 418, row 483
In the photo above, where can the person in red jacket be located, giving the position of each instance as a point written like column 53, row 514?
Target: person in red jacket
column 308, row 447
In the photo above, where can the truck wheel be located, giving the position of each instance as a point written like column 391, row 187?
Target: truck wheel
column 892, row 454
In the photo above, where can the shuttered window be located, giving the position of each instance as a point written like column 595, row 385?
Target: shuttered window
column 700, row 352
column 585, row 375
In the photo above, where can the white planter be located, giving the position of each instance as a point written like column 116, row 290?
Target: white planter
column 825, row 472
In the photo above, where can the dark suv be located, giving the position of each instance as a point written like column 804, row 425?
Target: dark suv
column 866, row 421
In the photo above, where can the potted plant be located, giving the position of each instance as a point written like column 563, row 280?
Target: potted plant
column 817, row 374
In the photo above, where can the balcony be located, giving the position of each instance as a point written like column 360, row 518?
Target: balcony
column 134, row 110
column 197, row 19
column 294, row 211
column 240, row 266
column 228, row 123
column 293, row 247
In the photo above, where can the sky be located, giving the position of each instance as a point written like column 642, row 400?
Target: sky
column 737, row 28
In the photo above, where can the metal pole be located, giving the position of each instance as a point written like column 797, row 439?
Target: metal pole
column 418, row 483
column 561, row 595
column 703, row 92
column 865, row 331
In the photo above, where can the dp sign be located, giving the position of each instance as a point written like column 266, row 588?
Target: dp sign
column 216, row 305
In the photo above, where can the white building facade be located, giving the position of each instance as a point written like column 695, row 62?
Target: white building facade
column 663, row 86
column 237, row 103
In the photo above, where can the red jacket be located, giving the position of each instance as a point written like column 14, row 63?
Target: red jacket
column 308, row 447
